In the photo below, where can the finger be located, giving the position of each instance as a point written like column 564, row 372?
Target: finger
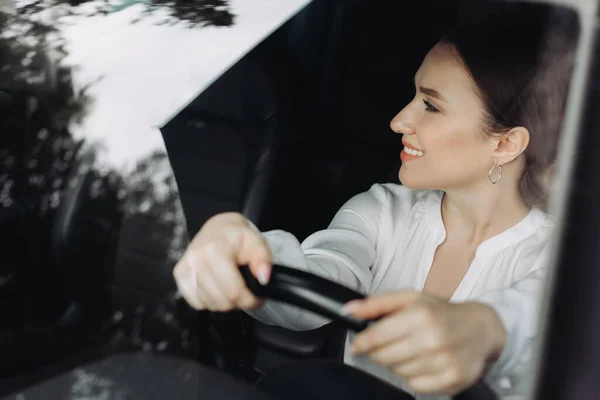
column 217, row 260
column 421, row 365
column 398, row 352
column 208, row 287
column 198, row 266
column 395, row 327
column 255, row 253
column 382, row 304
column 185, row 278
column 446, row 382
column 203, row 282
column 449, row 380
column 231, row 284
column 192, row 299
column 204, row 298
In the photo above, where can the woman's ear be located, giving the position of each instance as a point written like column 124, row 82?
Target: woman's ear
column 510, row 145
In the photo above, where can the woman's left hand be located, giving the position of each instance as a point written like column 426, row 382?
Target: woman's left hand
column 434, row 345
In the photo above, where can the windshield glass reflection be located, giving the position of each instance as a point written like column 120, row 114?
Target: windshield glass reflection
column 108, row 163
column 90, row 206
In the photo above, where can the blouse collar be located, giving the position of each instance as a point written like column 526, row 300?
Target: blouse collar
column 535, row 219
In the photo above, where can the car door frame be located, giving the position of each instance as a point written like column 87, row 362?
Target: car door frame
column 571, row 318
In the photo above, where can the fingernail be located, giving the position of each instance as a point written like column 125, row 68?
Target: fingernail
column 349, row 307
column 263, row 274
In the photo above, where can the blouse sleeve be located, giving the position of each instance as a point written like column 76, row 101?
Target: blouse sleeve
column 344, row 253
column 518, row 307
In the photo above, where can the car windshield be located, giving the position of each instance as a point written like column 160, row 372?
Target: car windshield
column 128, row 124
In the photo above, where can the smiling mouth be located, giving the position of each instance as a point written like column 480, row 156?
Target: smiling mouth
column 413, row 152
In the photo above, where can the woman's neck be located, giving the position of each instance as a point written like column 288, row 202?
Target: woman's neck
column 472, row 216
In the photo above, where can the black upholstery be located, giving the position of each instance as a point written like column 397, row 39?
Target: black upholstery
column 222, row 145
column 221, row 149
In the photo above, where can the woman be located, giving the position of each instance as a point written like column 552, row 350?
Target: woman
column 454, row 259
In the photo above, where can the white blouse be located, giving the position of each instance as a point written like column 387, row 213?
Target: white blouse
column 384, row 240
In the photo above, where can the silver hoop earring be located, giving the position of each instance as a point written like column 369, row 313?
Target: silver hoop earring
column 499, row 168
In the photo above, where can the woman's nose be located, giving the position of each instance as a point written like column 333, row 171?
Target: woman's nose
column 400, row 124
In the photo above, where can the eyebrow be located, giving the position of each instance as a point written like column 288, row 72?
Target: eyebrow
column 431, row 92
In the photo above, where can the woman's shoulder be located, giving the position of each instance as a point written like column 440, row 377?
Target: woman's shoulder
column 534, row 232
column 542, row 224
column 532, row 243
column 386, row 203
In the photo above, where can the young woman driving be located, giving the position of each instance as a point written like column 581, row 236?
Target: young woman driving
column 454, row 259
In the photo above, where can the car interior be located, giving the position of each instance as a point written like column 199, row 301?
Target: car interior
column 287, row 135
column 298, row 148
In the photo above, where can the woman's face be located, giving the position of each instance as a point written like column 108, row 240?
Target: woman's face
column 445, row 146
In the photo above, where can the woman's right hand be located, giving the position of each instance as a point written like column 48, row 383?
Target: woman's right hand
column 208, row 274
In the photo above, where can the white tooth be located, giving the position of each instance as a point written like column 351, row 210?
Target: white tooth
column 413, row 152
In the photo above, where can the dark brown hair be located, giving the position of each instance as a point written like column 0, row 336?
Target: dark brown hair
column 521, row 59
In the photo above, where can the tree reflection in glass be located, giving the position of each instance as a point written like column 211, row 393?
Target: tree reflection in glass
column 41, row 165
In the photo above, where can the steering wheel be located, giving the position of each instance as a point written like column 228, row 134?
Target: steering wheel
column 327, row 298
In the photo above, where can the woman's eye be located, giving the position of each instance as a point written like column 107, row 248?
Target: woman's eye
column 430, row 107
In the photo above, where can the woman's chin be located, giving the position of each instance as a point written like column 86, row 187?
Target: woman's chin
column 412, row 180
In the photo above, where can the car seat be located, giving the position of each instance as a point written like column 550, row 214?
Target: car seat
column 222, row 148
